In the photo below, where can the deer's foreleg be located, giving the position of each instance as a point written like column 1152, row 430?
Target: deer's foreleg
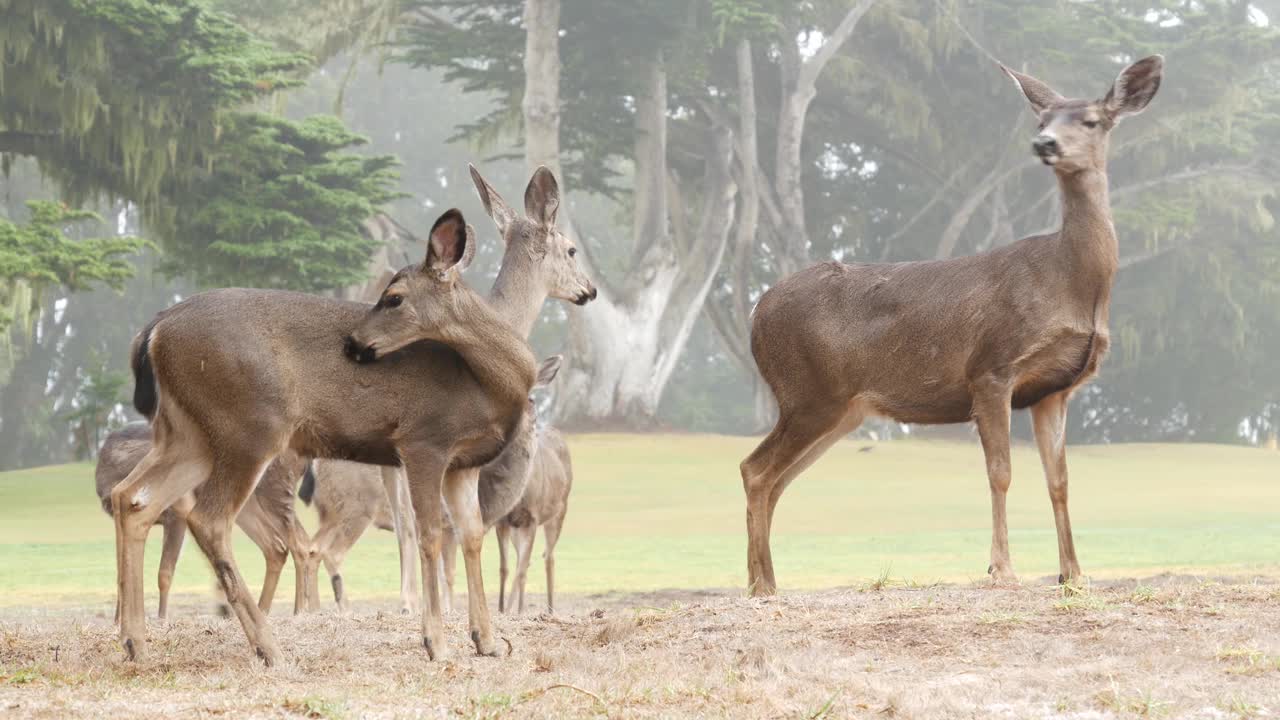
column 426, row 469
column 463, row 497
column 991, row 412
column 1049, row 418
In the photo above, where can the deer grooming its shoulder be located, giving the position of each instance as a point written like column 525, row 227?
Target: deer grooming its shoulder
column 538, row 262
column 949, row 341
column 267, row 518
column 233, row 378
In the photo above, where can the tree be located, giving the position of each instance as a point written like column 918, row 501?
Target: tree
column 625, row 347
column 146, row 108
column 36, row 260
column 37, row 255
column 297, row 223
column 144, row 101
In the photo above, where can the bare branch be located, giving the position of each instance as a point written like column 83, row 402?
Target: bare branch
column 965, row 31
column 811, row 69
column 1133, row 260
column 924, row 210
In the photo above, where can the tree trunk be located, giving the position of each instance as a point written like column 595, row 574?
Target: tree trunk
column 799, row 86
column 22, row 400
column 541, row 104
column 623, row 346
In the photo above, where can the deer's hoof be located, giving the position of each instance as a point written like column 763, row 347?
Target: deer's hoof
column 484, row 646
column 130, row 650
column 1003, row 577
column 269, row 656
column 435, row 647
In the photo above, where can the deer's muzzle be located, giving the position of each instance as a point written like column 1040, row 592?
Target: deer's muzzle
column 359, row 353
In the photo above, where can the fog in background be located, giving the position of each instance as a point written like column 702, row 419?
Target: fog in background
column 709, row 147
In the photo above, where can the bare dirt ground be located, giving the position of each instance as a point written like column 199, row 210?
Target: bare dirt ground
column 1159, row 647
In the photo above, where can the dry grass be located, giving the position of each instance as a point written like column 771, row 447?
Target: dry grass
column 1166, row 647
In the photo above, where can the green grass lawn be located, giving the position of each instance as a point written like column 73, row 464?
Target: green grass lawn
column 667, row 511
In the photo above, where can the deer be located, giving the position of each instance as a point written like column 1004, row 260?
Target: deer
column 543, row 505
column 267, row 518
column 231, row 378
column 951, row 341
column 350, row 497
column 120, row 452
column 538, row 262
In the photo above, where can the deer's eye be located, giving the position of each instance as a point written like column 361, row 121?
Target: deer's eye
column 1091, row 124
column 391, row 301
column 573, row 251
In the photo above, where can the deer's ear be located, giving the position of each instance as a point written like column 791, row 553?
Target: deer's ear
column 449, row 245
column 542, row 198
column 1040, row 95
column 494, row 205
column 1134, row 88
column 547, row 371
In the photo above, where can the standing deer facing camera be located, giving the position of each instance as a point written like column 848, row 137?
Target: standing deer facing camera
column 950, row 341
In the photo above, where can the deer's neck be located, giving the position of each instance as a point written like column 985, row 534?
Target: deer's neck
column 1088, row 236
column 500, row 359
column 515, row 297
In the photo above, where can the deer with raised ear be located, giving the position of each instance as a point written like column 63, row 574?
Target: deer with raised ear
column 233, row 378
column 950, row 341
column 539, row 262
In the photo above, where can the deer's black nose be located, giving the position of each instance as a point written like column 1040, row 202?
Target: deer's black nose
column 1045, row 145
column 356, row 351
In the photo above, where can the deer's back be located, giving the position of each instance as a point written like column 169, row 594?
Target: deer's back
column 912, row 339
column 264, row 369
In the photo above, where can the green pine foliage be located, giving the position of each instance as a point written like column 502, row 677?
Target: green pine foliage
column 147, row 101
column 285, row 206
column 37, row 255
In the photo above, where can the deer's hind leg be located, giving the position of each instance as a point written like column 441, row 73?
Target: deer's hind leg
column 503, row 533
column 449, row 542
column 167, row 473
column 991, row 411
column 301, row 549
column 1049, row 418
column 217, row 504
column 550, row 536
column 267, row 532
column 335, row 541
column 175, row 531
column 397, row 487
column 524, row 537
column 799, row 438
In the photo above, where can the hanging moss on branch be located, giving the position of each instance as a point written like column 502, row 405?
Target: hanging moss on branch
column 146, row 100
column 122, row 97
